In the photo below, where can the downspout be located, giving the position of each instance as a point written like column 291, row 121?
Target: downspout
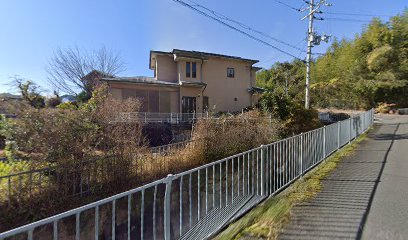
column 201, row 71
column 179, row 82
column 250, row 85
column 205, row 86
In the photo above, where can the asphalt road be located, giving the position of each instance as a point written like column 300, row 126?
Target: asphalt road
column 366, row 196
column 388, row 215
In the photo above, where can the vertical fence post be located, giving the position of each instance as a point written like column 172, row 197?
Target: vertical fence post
column 350, row 124
column 301, row 154
column 324, row 142
column 338, row 134
column 262, row 168
column 167, row 207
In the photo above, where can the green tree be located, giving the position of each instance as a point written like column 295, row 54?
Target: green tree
column 30, row 92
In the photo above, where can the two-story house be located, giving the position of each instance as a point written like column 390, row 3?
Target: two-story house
column 191, row 81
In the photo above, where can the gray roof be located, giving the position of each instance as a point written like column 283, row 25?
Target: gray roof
column 140, row 79
column 203, row 55
column 199, row 84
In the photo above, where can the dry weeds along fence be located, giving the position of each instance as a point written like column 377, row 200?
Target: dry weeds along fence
column 38, row 193
column 49, row 189
column 196, row 203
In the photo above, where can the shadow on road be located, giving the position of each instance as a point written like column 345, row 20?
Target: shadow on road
column 341, row 208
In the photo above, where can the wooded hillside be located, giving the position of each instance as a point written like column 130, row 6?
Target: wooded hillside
column 361, row 72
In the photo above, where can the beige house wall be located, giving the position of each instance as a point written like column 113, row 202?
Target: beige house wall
column 223, row 90
column 166, row 68
column 224, row 93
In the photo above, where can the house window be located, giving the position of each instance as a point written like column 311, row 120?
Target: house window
column 194, row 70
column 191, row 69
column 230, row 72
column 188, row 69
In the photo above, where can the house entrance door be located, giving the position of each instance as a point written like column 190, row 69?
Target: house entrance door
column 188, row 104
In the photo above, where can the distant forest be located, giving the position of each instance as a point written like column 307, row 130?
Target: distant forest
column 362, row 72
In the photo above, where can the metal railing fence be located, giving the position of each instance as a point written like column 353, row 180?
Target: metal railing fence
column 152, row 117
column 195, row 204
column 81, row 183
column 174, row 118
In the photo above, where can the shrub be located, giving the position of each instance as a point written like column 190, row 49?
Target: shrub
column 230, row 135
column 67, row 106
column 296, row 119
column 301, row 120
column 385, row 107
column 68, row 136
column 10, row 167
column 53, row 102
column 2, row 126
column 276, row 103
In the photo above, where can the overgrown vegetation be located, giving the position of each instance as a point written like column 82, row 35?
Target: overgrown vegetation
column 227, row 136
column 362, row 72
column 294, row 117
column 91, row 141
column 267, row 219
column 97, row 142
column 94, row 140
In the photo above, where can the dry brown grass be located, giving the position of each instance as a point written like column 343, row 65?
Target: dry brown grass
column 120, row 161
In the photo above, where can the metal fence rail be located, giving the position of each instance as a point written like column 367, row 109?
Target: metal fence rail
column 197, row 203
column 27, row 183
column 165, row 149
column 176, row 118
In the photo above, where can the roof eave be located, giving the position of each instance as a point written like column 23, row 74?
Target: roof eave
column 141, row 83
column 156, row 53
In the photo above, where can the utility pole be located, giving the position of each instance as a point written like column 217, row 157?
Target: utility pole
column 312, row 40
column 309, row 53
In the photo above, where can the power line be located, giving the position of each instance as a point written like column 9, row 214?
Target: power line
column 305, row 45
column 357, row 14
column 233, row 28
column 287, row 5
column 347, row 20
column 222, row 16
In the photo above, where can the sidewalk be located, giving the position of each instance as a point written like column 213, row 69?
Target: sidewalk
column 366, row 196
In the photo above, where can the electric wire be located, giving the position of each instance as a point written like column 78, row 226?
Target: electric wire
column 357, row 14
column 181, row 2
column 347, row 20
column 222, row 16
column 287, row 5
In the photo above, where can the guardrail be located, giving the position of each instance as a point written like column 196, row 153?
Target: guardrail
column 197, row 203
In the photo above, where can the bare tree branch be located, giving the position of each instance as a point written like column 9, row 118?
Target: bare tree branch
column 68, row 68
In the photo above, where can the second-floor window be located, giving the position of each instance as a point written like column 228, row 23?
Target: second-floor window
column 194, row 70
column 188, row 65
column 230, row 72
column 191, row 69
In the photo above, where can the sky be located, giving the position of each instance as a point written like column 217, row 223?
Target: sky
column 31, row 30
